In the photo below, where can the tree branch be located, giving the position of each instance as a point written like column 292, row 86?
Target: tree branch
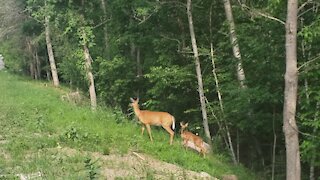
column 102, row 23
column 299, row 15
column 257, row 12
column 308, row 62
column 306, row 3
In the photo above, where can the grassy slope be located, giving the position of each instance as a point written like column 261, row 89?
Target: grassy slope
column 33, row 120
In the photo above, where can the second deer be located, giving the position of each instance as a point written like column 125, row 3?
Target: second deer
column 193, row 141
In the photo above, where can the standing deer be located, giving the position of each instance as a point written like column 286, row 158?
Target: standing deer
column 193, row 141
column 154, row 118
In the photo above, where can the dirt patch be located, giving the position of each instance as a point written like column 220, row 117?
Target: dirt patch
column 138, row 166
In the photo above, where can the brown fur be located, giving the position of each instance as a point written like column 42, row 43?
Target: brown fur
column 154, row 118
column 190, row 137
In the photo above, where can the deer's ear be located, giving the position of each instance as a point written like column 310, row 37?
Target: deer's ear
column 132, row 100
column 186, row 124
column 137, row 99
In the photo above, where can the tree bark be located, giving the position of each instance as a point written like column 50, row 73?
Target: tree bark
column 234, row 42
column 52, row 62
column 105, row 30
column 290, row 95
column 88, row 67
column 198, row 70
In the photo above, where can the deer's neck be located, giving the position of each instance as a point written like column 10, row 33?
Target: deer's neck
column 136, row 110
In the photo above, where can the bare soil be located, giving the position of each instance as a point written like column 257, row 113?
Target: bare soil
column 138, row 166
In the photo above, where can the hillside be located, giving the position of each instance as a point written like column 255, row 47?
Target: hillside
column 41, row 135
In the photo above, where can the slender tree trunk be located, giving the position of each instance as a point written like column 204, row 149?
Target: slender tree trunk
column 38, row 65
column 105, row 30
column 92, row 91
column 52, row 62
column 198, row 70
column 290, row 95
column 234, row 42
column 236, row 50
column 274, row 144
column 31, row 60
column 139, row 69
column 314, row 152
column 139, row 65
column 226, row 127
column 182, row 31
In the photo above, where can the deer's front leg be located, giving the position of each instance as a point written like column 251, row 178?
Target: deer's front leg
column 149, row 131
column 142, row 130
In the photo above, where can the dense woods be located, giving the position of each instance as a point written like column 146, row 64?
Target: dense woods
column 222, row 66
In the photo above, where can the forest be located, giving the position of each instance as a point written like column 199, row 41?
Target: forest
column 244, row 74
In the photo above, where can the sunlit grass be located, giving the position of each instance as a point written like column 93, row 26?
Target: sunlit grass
column 34, row 119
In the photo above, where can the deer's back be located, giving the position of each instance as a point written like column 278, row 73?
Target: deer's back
column 186, row 135
column 156, row 118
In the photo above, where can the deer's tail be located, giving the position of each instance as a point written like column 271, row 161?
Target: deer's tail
column 173, row 123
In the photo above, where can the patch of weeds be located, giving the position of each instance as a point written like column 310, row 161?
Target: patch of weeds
column 17, row 148
column 150, row 174
column 72, row 133
column 44, row 142
column 91, row 167
column 106, row 150
column 77, row 137
column 39, row 123
column 118, row 116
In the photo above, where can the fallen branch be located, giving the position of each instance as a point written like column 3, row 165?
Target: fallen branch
column 138, row 155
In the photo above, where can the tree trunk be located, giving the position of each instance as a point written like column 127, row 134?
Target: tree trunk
column 105, row 30
column 199, row 76
column 274, row 144
column 88, row 66
column 52, row 62
column 38, row 65
column 234, row 42
column 139, row 65
column 290, row 95
column 31, row 63
column 226, row 127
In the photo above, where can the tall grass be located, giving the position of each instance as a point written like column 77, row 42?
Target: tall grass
column 33, row 119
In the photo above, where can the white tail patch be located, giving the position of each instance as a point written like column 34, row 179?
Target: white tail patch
column 173, row 123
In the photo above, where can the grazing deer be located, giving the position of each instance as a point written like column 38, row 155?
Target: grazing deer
column 154, row 118
column 193, row 141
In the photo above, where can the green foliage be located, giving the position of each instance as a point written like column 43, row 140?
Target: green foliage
column 14, row 57
column 158, row 34
column 92, row 168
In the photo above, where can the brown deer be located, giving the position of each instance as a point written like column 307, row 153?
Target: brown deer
column 193, row 141
column 154, row 118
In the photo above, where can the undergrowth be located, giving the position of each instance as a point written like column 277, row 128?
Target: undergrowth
column 34, row 120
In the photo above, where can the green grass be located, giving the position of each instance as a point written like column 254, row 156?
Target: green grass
column 34, row 121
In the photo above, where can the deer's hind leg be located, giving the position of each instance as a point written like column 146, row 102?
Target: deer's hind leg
column 169, row 130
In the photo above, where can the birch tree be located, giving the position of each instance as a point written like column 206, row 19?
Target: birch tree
column 234, row 42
